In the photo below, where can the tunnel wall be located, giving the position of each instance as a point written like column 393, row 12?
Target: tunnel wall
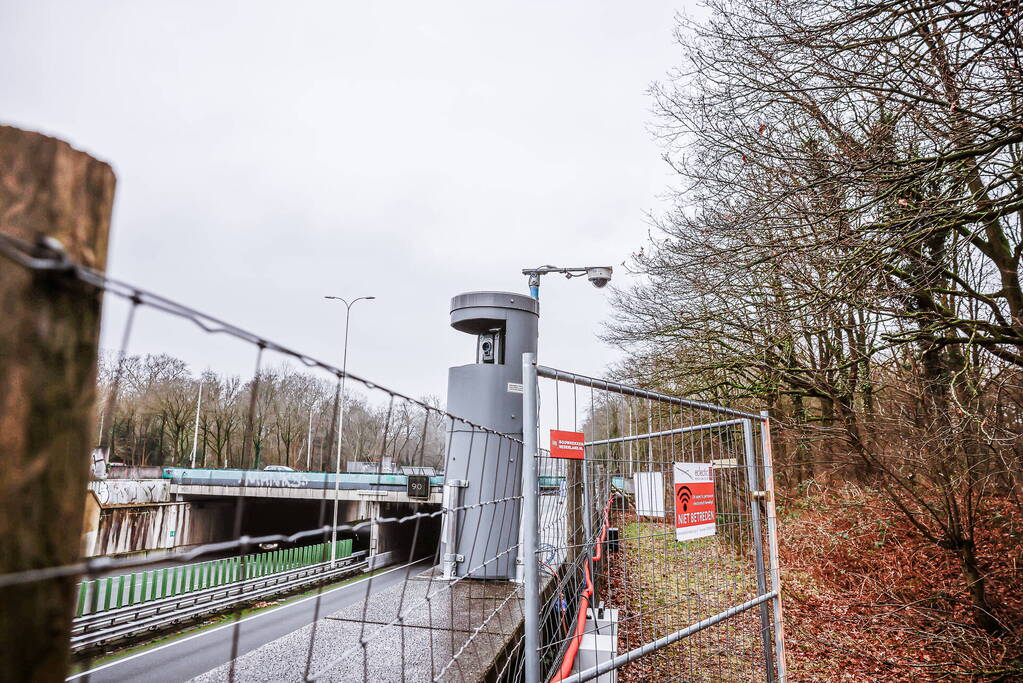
column 157, row 528
column 397, row 539
column 174, row 526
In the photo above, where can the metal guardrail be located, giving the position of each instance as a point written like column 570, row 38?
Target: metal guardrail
column 290, row 480
column 111, row 625
column 124, row 590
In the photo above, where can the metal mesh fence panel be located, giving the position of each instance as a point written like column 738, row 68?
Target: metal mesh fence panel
column 665, row 567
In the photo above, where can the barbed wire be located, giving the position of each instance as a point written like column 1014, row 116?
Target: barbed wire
column 48, row 256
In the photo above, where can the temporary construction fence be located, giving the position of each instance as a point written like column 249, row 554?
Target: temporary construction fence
column 114, row 592
column 666, row 566
column 595, row 582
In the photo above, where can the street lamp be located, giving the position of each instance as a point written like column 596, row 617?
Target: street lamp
column 195, row 435
column 598, row 275
column 341, row 420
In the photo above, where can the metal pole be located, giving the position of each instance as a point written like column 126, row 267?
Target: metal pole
column 309, row 443
column 772, row 546
column 449, row 523
column 530, row 542
column 341, row 421
column 666, row 432
column 588, row 537
column 758, row 542
column 616, row 388
column 650, row 442
column 195, row 436
column 632, row 460
column 340, row 432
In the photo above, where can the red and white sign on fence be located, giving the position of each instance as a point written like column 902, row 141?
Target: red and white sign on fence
column 567, row 444
column 694, row 501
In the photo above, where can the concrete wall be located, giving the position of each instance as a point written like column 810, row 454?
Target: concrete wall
column 118, row 471
column 111, row 492
column 138, row 517
column 394, row 540
column 157, row 528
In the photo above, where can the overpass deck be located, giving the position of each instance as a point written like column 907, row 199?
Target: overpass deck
column 392, row 488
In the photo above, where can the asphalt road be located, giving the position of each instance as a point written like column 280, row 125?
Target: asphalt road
column 192, row 655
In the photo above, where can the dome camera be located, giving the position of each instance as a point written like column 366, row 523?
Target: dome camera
column 599, row 276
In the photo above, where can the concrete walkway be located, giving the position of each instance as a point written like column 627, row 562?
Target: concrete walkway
column 459, row 633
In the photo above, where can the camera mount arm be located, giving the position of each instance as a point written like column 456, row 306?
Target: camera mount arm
column 598, row 275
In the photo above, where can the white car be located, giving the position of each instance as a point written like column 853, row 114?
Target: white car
column 279, row 468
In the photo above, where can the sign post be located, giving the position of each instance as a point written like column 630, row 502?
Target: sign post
column 694, row 501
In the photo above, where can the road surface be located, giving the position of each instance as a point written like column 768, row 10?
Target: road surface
column 192, row 655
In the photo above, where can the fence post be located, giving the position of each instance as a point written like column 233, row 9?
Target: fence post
column 50, row 342
column 749, row 450
column 588, row 537
column 452, row 500
column 772, row 546
column 531, row 574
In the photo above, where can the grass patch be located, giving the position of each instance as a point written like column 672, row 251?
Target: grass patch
column 661, row 585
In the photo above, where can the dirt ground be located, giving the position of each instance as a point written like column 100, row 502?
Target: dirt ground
column 865, row 598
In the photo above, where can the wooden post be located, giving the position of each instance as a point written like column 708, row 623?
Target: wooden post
column 49, row 338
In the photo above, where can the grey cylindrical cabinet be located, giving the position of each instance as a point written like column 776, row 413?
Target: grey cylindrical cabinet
column 486, row 467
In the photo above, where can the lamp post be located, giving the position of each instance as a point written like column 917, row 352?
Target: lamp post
column 341, row 420
column 195, row 435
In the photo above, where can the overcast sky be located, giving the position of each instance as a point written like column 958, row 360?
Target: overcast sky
column 270, row 153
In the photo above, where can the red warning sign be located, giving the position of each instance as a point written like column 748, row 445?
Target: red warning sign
column 694, row 501
column 567, row 444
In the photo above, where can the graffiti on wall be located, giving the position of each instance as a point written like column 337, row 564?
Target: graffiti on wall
column 112, row 492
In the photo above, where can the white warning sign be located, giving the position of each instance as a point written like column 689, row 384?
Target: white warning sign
column 695, row 515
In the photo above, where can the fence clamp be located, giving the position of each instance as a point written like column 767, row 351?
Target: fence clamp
column 762, row 495
column 458, row 483
column 454, row 557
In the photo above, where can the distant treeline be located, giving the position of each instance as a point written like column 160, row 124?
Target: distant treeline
column 153, row 419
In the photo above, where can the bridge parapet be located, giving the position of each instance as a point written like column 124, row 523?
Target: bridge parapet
column 127, row 492
column 297, row 485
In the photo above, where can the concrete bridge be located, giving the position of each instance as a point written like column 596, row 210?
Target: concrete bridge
column 392, row 488
column 172, row 509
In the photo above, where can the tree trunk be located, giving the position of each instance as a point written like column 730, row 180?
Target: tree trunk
column 983, row 614
column 48, row 364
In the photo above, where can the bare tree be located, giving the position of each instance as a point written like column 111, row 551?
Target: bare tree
column 845, row 245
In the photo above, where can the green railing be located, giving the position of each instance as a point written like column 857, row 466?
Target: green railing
column 131, row 589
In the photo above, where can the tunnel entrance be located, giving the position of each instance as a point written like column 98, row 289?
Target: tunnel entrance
column 269, row 516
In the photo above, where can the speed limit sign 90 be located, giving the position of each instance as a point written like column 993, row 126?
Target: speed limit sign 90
column 418, row 486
